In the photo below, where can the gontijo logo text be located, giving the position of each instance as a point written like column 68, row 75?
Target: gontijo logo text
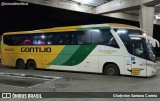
column 36, row 49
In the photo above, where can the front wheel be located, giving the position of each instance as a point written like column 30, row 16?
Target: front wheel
column 111, row 69
column 31, row 65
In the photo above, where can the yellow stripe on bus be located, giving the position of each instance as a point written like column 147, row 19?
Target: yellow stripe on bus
column 41, row 58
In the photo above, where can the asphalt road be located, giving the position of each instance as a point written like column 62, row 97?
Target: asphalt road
column 76, row 82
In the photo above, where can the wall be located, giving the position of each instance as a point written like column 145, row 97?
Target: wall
column 128, row 16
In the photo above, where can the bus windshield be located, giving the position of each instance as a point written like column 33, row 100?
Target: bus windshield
column 143, row 48
column 124, row 35
column 137, row 46
column 150, row 50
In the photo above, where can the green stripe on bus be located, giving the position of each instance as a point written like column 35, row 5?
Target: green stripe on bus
column 65, row 54
column 91, row 28
column 82, row 52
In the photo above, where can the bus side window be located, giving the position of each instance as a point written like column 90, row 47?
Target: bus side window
column 19, row 39
column 103, row 37
column 68, row 38
column 79, row 38
column 109, row 39
column 74, row 38
column 55, row 38
column 61, row 38
column 84, row 37
column 42, row 38
column 7, row 40
column 12, row 40
column 30, row 39
column 97, row 37
column 50, row 39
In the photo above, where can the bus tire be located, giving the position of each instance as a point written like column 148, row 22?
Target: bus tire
column 111, row 69
column 20, row 64
column 31, row 65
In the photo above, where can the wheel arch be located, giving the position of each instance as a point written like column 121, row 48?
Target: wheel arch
column 30, row 60
column 107, row 63
column 18, row 60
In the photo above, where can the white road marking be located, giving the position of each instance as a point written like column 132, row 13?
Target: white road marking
column 25, row 76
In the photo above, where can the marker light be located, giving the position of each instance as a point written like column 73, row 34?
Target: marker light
column 144, row 34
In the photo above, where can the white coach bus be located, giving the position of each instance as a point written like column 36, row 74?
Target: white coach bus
column 112, row 49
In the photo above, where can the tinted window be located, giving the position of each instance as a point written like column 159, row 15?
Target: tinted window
column 84, row 37
column 68, row 38
column 7, row 40
column 20, row 39
column 28, row 39
column 124, row 36
column 12, row 39
column 138, row 48
column 101, row 37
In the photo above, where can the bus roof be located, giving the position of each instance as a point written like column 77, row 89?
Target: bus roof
column 74, row 28
column 123, row 25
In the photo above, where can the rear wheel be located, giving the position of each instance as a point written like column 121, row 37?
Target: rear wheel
column 31, row 65
column 20, row 64
column 111, row 69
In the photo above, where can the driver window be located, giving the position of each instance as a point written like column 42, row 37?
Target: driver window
column 138, row 48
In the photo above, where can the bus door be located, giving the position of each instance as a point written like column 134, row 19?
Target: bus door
column 128, row 65
column 138, row 58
